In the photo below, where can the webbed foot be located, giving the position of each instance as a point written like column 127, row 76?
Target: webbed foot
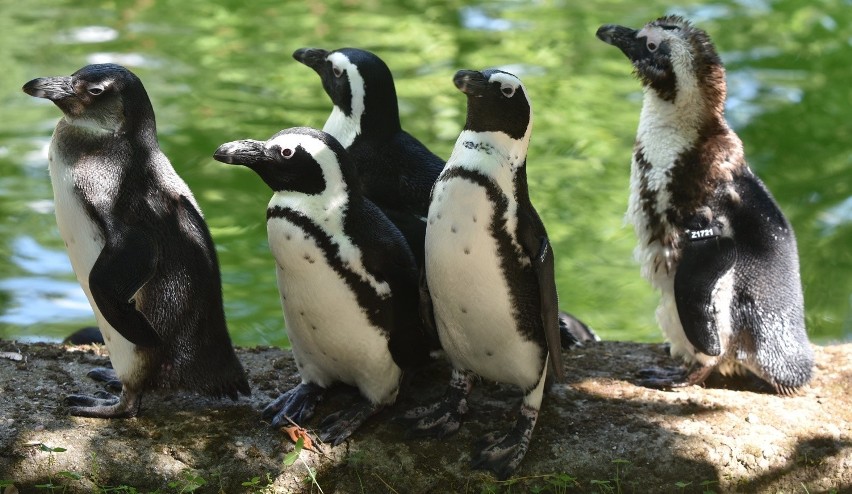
column 105, row 405
column 502, row 454
column 444, row 417
column 668, row 378
column 107, row 376
column 296, row 405
column 338, row 426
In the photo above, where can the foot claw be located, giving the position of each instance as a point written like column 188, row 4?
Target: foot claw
column 443, row 418
column 501, row 454
column 104, row 405
column 668, row 378
column 296, row 405
column 338, row 426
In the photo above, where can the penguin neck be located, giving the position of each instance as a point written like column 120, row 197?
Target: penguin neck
column 96, row 128
column 669, row 130
column 345, row 128
column 327, row 209
column 492, row 154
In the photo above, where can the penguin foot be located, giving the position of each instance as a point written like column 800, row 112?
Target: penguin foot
column 106, row 376
column 296, row 405
column 104, row 405
column 668, row 378
column 338, row 426
column 502, row 454
column 443, row 418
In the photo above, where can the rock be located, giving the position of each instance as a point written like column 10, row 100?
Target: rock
column 597, row 432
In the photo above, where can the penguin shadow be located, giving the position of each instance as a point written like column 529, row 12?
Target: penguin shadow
column 809, row 453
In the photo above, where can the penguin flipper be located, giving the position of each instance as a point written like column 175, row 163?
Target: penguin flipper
column 536, row 245
column 702, row 264
column 543, row 264
column 125, row 264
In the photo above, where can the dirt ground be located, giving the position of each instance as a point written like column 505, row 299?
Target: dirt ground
column 599, row 432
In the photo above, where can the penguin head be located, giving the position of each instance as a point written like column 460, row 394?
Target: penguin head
column 673, row 59
column 103, row 96
column 299, row 160
column 496, row 102
column 359, row 84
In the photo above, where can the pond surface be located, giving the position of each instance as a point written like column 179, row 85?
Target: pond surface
column 218, row 71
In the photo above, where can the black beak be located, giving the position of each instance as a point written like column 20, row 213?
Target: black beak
column 52, row 88
column 470, row 82
column 247, row 152
column 312, row 57
column 622, row 38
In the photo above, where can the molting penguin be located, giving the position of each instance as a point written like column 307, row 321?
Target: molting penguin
column 346, row 276
column 490, row 269
column 396, row 170
column 137, row 242
column 711, row 237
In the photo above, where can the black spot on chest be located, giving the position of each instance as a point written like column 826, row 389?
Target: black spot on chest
column 372, row 303
column 518, row 275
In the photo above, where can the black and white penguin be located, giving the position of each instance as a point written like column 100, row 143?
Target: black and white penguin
column 137, row 242
column 490, row 269
column 711, row 237
column 396, row 170
column 347, row 278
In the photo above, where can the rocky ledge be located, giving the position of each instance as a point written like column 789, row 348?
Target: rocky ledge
column 599, row 432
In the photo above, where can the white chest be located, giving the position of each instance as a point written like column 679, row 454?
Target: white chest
column 84, row 242
column 470, row 293
column 332, row 338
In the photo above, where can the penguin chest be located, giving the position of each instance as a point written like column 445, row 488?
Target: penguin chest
column 471, row 296
column 332, row 337
column 84, row 241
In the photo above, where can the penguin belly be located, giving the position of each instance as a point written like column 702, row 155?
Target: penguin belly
column 470, row 295
column 330, row 334
column 84, row 242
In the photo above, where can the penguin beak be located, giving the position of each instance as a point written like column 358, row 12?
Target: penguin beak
column 623, row 38
column 247, row 152
column 470, row 82
column 312, row 57
column 52, row 88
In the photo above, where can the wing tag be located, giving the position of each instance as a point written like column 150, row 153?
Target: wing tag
column 704, row 233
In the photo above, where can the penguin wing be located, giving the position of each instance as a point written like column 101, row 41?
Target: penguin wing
column 126, row 263
column 386, row 254
column 533, row 239
column 703, row 262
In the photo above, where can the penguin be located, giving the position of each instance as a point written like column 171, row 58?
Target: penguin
column 712, row 238
column 396, row 170
column 490, row 270
column 137, row 242
column 347, row 279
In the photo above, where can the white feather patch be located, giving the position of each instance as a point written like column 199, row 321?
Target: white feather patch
column 342, row 127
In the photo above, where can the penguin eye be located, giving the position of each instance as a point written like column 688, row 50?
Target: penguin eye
column 508, row 91
column 287, row 153
column 652, row 47
column 337, row 71
column 95, row 90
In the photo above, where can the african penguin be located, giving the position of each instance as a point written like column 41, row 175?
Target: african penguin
column 138, row 243
column 490, row 269
column 347, row 278
column 396, row 170
column 711, row 237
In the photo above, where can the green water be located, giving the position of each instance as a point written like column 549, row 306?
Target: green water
column 218, row 71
